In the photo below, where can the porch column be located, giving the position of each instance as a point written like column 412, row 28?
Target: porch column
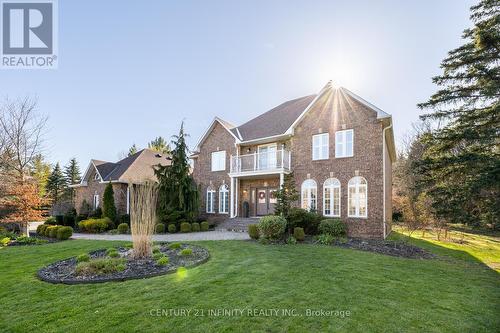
column 282, row 179
column 231, row 210
column 237, row 183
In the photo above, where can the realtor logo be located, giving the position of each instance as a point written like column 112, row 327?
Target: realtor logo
column 28, row 34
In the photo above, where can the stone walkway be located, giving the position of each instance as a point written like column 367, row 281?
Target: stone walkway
column 192, row 236
column 238, row 224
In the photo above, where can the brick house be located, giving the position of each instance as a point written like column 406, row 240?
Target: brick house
column 339, row 147
column 133, row 169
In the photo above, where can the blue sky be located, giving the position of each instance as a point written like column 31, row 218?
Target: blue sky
column 132, row 70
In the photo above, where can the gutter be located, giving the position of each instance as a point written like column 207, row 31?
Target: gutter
column 383, row 177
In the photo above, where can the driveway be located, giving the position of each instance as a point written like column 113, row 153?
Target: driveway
column 192, row 236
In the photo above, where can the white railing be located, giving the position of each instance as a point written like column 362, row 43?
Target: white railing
column 265, row 161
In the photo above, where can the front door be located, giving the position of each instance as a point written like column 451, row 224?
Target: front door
column 266, row 200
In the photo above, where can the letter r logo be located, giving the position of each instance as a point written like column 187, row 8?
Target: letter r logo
column 27, row 28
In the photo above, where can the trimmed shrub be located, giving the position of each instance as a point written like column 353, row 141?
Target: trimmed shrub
column 95, row 225
column 123, row 228
column 332, row 227
column 195, row 226
column 162, row 261
column 51, row 220
column 174, row 246
column 272, row 227
column 298, row 233
column 253, row 231
column 160, row 228
column 64, row 233
column 41, row 229
column 291, row 240
column 52, row 231
column 309, row 221
column 4, row 241
column 83, row 257
column 172, row 229
column 69, row 218
column 204, row 226
column 325, row 239
column 185, row 227
column 186, row 252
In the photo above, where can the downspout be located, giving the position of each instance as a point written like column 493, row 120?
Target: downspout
column 383, row 177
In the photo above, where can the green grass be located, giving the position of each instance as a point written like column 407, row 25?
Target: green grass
column 382, row 293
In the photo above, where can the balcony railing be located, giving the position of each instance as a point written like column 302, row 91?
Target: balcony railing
column 276, row 160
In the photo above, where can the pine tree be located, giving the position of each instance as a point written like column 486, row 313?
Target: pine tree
column 108, row 203
column 286, row 195
column 132, row 150
column 40, row 171
column 160, row 145
column 178, row 195
column 56, row 184
column 461, row 166
column 72, row 172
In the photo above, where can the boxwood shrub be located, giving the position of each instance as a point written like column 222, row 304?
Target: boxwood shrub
column 172, row 228
column 162, row 261
column 52, row 231
column 272, row 227
column 186, row 252
column 51, row 220
column 309, row 221
column 298, row 233
column 185, row 227
column 332, row 227
column 123, row 228
column 64, row 233
column 41, row 229
column 160, row 228
column 204, row 226
column 95, row 225
column 195, row 226
column 253, row 231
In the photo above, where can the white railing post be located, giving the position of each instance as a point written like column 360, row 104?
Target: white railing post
column 282, row 158
column 255, row 166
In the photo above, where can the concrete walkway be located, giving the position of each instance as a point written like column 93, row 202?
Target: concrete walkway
column 192, row 236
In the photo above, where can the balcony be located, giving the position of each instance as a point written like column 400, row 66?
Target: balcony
column 268, row 162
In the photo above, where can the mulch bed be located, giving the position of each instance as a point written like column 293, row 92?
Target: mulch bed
column 64, row 271
column 391, row 248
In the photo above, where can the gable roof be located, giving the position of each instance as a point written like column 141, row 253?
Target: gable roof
column 132, row 169
column 227, row 126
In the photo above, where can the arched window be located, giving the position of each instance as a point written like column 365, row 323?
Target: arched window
column 358, row 197
column 331, row 197
column 210, row 200
column 309, row 194
column 223, row 199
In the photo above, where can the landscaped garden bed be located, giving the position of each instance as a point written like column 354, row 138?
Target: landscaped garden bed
column 118, row 264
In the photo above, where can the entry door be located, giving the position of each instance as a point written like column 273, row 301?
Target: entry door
column 266, row 200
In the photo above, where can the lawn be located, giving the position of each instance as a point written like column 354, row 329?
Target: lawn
column 455, row 293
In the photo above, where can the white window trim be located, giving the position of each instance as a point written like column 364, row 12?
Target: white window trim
column 96, row 201
column 96, row 176
column 331, row 188
column 212, row 201
column 308, row 190
column 319, row 157
column 357, row 205
column 344, row 145
column 219, row 167
column 223, row 192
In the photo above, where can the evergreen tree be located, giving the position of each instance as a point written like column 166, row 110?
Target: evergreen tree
column 108, row 203
column 40, row 171
column 160, row 145
column 461, row 166
column 132, row 150
column 286, row 195
column 56, row 184
column 178, row 195
column 72, row 172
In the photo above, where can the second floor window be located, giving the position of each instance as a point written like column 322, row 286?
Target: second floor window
column 320, row 146
column 344, row 143
column 219, row 160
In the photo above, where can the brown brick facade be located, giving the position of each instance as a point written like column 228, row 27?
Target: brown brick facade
column 331, row 113
column 95, row 187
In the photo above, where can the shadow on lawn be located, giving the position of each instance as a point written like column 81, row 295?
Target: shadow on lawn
column 455, row 256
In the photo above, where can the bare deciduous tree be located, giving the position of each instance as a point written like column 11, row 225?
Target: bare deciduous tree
column 21, row 134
